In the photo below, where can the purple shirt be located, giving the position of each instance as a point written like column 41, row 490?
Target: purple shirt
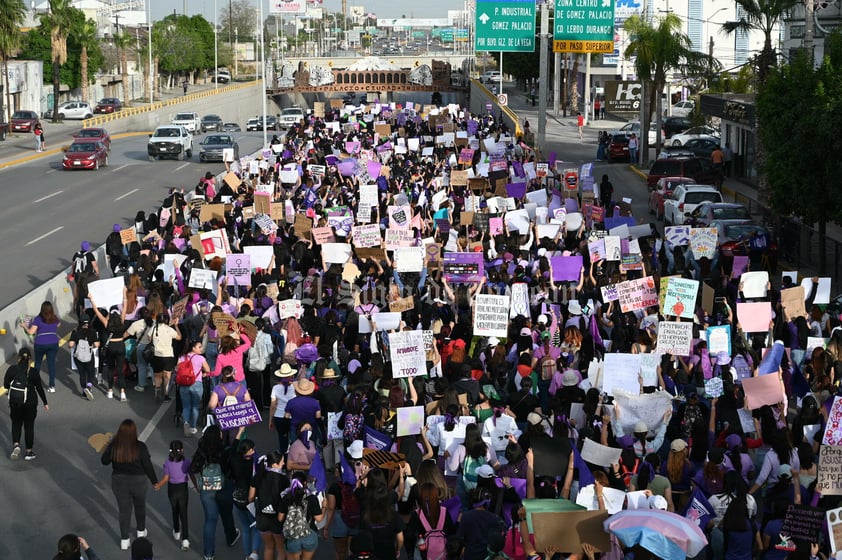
column 46, row 333
column 302, row 409
column 177, row 471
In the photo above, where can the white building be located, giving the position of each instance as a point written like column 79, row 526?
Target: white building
column 826, row 17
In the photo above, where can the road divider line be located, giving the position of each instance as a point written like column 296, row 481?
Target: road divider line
column 49, row 233
column 122, row 196
column 43, row 198
column 51, row 171
column 182, row 166
column 119, row 168
column 153, row 424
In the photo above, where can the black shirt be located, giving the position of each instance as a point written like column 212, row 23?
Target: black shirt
column 36, row 388
column 143, row 464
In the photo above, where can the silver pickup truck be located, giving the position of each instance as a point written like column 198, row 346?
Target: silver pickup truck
column 290, row 116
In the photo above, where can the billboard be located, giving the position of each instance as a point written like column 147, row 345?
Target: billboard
column 288, row 7
column 624, row 9
column 622, row 97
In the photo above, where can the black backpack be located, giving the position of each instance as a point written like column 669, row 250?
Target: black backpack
column 19, row 387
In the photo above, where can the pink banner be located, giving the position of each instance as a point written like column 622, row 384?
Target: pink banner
column 755, row 316
column 762, row 390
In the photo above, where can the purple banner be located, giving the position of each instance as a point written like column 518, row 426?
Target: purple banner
column 237, row 416
column 566, row 269
column 473, row 126
column 555, row 204
column 463, row 267
column 331, row 160
column 347, row 167
column 374, row 168
column 384, row 147
column 518, row 167
column 516, row 190
column 571, row 205
column 611, row 223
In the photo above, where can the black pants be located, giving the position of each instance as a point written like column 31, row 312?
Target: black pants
column 254, row 382
column 86, row 373
column 178, row 495
column 23, row 417
column 115, row 358
column 130, row 491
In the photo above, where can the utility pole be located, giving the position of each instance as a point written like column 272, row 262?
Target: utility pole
column 542, row 76
column 808, row 29
column 556, row 82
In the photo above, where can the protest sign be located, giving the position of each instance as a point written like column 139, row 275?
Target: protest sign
column 822, row 292
column 463, row 267
column 202, row 279
column 406, row 349
column 703, row 242
column 214, row 244
column 739, row 265
column 108, row 292
column 399, row 238
column 621, row 371
column 792, row 300
column 237, row 416
column 302, row 226
column 675, row 338
column 637, row 294
column 290, row 308
column 708, row 295
column 491, row 315
column 399, row 216
column 833, row 429
column 210, row 211
column 649, row 363
column 334, row 432
column 128, row 235
column 754, row 317
column 662, row 289
column 171, row 262
column 680, row 298
column 714, row 388
column 367, row 235
column 609, row 293
column 762, row 390
column 678, row 236
column 648, row 408
column 568, row 530
column 520, row 300
column 232, row 180
column 834, row 525
column 409, row 259
column 402, row 304
column 719, row 339
column 829, row 480
column 260, row 256
column 410, row 420
column 753, row 284
column 566, row 269
column 597, row 250
column 338, row 253
column 238, row 269
column 613, row 252
column 323, row 235
column 629, row 262
column 803, row 523
column 600, row 455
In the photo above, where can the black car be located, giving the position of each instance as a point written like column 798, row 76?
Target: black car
column 674, row 125
column 211, row 148
column 701, row 147
column 211, row 122
column 230, row 127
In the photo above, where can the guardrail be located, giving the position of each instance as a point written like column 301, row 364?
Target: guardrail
column 513, row 118
column 149, row 107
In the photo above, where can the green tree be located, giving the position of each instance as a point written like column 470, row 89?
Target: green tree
column 12, row 14
column 59, row 20
column 183, row 44
column 797, row 148
column 238, row 22
column 85, row 35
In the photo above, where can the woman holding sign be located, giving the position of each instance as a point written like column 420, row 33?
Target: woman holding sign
column 162, row 337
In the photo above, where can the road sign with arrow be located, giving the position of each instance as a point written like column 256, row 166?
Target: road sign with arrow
column 505, row 25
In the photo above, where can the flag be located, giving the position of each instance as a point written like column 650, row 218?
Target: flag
column 317, row 471
column 772, row 360
column 699, row 510
column 348, row 475
column 597, row 338
column 585, row 475
column 377, row 440
column 799, row 384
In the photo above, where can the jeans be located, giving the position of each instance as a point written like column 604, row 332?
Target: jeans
column 38, row 143
column 130, row 491
column 178, row 495
column 50, row 351
column 211, row 352
column 23, row 417
column 191, row 402
column 217, row 504
column 633, row 155
column 143, row 368
column 248, row 528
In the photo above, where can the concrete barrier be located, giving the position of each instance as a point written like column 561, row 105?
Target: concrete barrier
column 481, row 96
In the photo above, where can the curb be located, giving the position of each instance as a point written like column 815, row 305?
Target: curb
column 55, row 151
column 637, row 171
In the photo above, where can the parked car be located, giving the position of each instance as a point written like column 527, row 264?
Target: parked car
column 678, row 152
column 211, row 122
column 703, row 131
column 108, row 105
column 707, row 212
column 85, row 154
column 683, row 108
column 674, row 125
column 490, row 77
column 618, row 148
column 190, row 121
column 212, row 147
column 170, row 141
column 97, row 134
column 663, row 190
column 290, row 116
column 75, row 110
column 256, row 123
column 684, row 200
column 230, row 127
column 746, row 238
column 634, row 127
column 23, row 121
column 700, row 147
column 699, row 169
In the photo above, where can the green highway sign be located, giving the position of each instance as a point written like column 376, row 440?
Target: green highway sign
column 505, row 25
column 584, row 26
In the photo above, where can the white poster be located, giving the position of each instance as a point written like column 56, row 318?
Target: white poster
column 520, row 300
column 261, row 255
column 620, row 372
column 491, row 315
column 338, row 253
column 648, row 408
column 290, row 308
column 202, row 279
column 598, row 454
column 108, row 292
column 406, row 350
column 754, row 284
column 822, row 293
column 409, row 259
column 675, row 338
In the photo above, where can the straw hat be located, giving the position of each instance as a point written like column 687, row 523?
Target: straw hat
column 285, row 371
column 304, row 387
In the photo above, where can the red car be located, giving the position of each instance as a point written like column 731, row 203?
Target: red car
column 663, row 189
column 108, row 105
column 23, row 121
column 85, row 154
column 618, row 148
column 99, row 134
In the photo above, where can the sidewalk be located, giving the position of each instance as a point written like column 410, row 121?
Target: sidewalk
column 19, row 147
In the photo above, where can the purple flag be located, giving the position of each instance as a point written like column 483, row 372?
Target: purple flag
column 597, row 338
column 374, row 168
column 346, row 168
column 555, row 204
column 331, row 159
column 551, row 161
column 377, row 440
column 699, row 510
column 317, row 471
column 772, row 360
column 611, row 223
column 472, row 127
column 348, row 475
column 585, row 475
column 566, row 269
column 516, row 190
column 518, row 167
column 571, row 205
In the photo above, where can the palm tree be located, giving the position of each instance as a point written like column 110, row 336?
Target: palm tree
column 12, row 14
column 764, row 16
column 85, row 34
column 59, row 21
column 122, row 41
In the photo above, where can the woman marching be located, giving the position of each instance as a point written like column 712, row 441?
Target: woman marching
column 45, row 329
column 23, row 382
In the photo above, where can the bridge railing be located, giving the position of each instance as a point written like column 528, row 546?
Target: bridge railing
column 481, row 96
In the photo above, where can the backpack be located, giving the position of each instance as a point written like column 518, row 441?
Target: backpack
column 268, row 494
column 741, row 366
column 469, row 471
column 211, row 478
column 230, row 398
column 353, row 427
column 19, row 387
column 114, row 245
column 548, row 368
column 80, row 263
column 432, row 544
column 295, row 522
column 351, row 511
column 184, row 374
column 83, row 352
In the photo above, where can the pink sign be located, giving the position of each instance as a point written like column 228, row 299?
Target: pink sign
column 637, row 294
column 755, row 316
column 495, row 226
column 762, row 390
column 833, row 430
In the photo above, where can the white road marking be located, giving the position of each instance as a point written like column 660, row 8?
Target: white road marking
column 182, row 166
column 122, row 196
column 153, row 424
column 37, row 239
column 43, row 198
column 51, row 171
column 119, row 168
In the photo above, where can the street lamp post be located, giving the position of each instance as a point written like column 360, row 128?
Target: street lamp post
column 151, row 76
column 215, row 46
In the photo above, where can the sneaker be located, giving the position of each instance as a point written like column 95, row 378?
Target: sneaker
column 167, row 398
column 253, row 556
column 236, row 538
column 110, row 394
column 141, row 534
column 187, row 432
column 185, row 544
column 15, row 453
column 30, row 456
column 123, row 397
column 89, row 394
column 176, row 535
column 51, row 389
column 194, row 431
column 157, row 393
column 124, row 544
column 139, row 388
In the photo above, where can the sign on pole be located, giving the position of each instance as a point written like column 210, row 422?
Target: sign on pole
column 582, row 29
column 505, row 26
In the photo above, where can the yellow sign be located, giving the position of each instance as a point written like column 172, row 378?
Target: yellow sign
column 600, row 47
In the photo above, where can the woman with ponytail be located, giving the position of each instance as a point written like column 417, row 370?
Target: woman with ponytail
column 647, row 479
column 428, row 525
column 265, row 492
column 500, row 427
column 24, row 387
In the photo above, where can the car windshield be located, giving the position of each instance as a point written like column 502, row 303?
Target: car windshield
column 89, row 133
column 184, row 117
column 21, row 115
column 291, row 112
column 81, row 147
column 731, row 213
column 699, row 197
column 743, row 230
column 167, row 133
column 218, row 140
column 211, row 118
column 620, row 139
column 109, row 101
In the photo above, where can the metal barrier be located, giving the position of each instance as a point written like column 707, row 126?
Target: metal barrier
column 510, row 117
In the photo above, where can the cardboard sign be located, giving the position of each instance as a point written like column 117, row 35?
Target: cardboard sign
column 319, row 109
column 402, row 304
column 703, row 242
column 754, row 317
column 792, row 300
column 675, row 338
column 829, row 480
column 680, row 298
column 458, row 178
column 302, row 226
column 491, row 315
column 409, row 357
column 232, row 181
column 211, row 211
column 128, row 235
column 375, row 253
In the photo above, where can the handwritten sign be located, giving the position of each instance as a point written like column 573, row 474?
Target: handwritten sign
column 833, row 429
column 678, row 236
column 128, row 235
column 714, row 388
column 290, row 308
column 703, row 242
column 598, row 454
column 491, row 315
column 323, row 235
column 719, row 339
column 762, row 390
column 792, row 300
column 237, row 416
column 637, row 294
column 409, row 259
column 621, row 371
column 367, row 235
column 402, row 304
column 399, row 238
column 829, row 478
column 409, row 358
column 680, row 297
column 675, row 338
column 754, row 283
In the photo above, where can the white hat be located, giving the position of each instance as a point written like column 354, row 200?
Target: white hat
column 355, row 450
column 570, row 378
column 641, row 427
column 542, row 252
column 542, row 318
column 493, row 341
column 285, row 371
column 658, row 502
column 573, row 307
column 485, row 471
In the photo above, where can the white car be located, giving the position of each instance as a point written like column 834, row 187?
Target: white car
column 703, row 131
column 75, row 110
column 170, row 141
column 290, row 116
column 683, row 108
column 190, row 121
column 490, row 77
column 684, row 200
column 628, row 128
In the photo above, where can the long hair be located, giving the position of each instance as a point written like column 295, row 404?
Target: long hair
column 125, row 447
column 475, row 447
column 377, row 507
column 675, row 465
column 227, row 343
column 210, row 449
column 47, row 313
column 428, row 497
column 68, row 548
column 736, row 516
column 781, row 446
column 428, row 472
column 24, row 357
column 176, row 451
